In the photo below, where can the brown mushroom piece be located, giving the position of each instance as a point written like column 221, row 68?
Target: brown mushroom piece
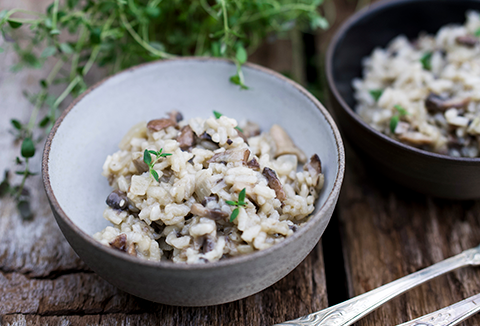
column 159, row 124
column 230, row 155
column 467, row 40
column 200, row 210
column 140, row 165
column 120, row 242
column 208, row 244
column 274, row 183
column 242, row 135
column 119, row 200
column 131, row 250
column 284, row 144
column 314, row 168
column 437, row 103
column 186, row 138
column 250, row 129
column 206, row 141
column 175, row 116
column 415, row 138
column 253, row 164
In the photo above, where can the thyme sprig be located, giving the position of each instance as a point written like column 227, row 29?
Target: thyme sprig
column 118, row 34
column 240, row 203
column 147, row 158
column 396, row 117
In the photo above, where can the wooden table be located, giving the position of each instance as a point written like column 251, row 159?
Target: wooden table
column 377, row 234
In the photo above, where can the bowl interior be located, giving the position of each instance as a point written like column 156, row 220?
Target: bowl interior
column 377, row 26
column 97, row 122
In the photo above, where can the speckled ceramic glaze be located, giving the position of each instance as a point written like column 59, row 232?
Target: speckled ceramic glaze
column 93, row 125
column 426, row 172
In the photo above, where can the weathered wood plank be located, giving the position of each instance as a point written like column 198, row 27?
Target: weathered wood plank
column 389, row 233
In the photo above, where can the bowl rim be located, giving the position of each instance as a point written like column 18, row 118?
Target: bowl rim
column 338, row 36
column 329, row 202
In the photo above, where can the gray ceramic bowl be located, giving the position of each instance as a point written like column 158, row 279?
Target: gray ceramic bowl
column 426, row 172
column 94, row 124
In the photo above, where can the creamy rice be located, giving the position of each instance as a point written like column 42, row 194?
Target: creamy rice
column 426, row 93
column 185, row 217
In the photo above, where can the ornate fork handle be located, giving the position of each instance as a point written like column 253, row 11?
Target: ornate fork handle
column 449, row 316
column 348, row 312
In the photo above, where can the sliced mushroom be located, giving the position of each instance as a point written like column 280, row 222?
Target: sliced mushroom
column 467, row 40
column 284, row 144
column 251, row 129
column 140, row 165
column 120, row 242
column 402, row 127
column 175, row 116
column 131, row 250
column 208, row 244
column 314, row 168
column 200, row 210
column 206, row 141
column 274, row 183
column 230, row 155
column 415, row 138
column 253, row 164
column 208, row 199
column 437, row 103
column 242, row 135
column 159, row 124
column 186, row 138
column 119, row 200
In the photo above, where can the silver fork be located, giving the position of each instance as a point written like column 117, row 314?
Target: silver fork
column 449, row 316
column 348, row 312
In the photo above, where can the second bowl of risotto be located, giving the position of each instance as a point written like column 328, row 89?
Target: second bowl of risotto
column 403, row 76
column 181, row 188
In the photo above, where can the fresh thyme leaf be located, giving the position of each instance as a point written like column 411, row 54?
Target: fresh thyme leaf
column 14, row 24
column 165, row 154
column 241, row 54
column 426, row 61
column 401, row 110
column 48, row 52
column 154, row 174
column 241, row 196
column 66, row 48
column 28, row 148
column 5, row 187
column 16, row 124
column 152, row 152
column 217, row 114
column 393, row 123
column 44, row 122
column 231, row 203
column 376, row 93
column 147, row 158
column 234, row 214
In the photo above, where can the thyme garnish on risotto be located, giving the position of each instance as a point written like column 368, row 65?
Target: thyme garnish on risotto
column 240, row 203
column 394, row 121
column 147, row 158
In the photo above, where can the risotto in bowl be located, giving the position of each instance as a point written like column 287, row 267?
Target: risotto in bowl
column 403, row 79
column 167, row 180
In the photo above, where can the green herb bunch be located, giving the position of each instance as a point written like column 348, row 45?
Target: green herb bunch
column 147, row 158
column 117, row 34
column 240, row 203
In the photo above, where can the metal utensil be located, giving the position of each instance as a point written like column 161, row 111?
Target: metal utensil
column 348, row 312
column 449, row 316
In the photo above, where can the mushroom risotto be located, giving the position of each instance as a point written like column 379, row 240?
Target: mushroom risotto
column 206, row 189
column 426, row 93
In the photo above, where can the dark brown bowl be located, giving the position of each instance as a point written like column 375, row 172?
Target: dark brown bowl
column 423, row 171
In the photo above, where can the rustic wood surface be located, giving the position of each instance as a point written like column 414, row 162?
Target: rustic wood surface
column 378, row 234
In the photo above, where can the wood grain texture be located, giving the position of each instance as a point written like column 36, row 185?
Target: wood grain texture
column 389, row 232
